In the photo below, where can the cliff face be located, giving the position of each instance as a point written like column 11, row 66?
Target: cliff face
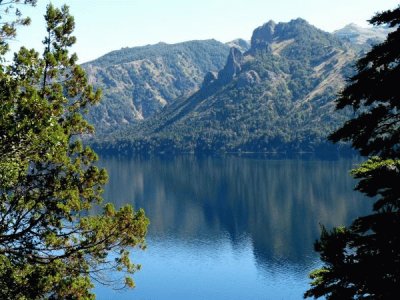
column 263, row 36
column 232, row 67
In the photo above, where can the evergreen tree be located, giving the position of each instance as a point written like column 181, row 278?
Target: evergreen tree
column 363, row 260
column 52, row 244
column 10, row 18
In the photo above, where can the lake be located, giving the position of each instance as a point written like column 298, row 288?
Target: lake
column 230, row 227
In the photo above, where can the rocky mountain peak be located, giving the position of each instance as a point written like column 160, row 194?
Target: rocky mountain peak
column 296, row 29
column 232, row 66
column 356, row 34
column 299, row 21
column 271, row 32
column 209, row 78
column 262, row 36
column 352, row 26
column 241, row 44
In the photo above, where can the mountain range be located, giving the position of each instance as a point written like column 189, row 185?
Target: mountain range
column 272, row 94
column 138, row 82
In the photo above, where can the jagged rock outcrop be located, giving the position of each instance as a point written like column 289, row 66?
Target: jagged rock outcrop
column 232, row 66
column 209, row 79
column 241, row 44
column 248, row 78
column 262, row 36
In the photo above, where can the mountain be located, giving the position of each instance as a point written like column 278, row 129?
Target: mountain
column 138, row 82
column 277, row 96
column 362, row 36
column 241, row 44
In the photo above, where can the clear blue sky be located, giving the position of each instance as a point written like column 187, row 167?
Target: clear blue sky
column 106, row 25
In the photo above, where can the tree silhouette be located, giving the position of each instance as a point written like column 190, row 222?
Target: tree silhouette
column 363, row 260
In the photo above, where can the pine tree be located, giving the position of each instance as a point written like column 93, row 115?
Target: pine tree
column 10, row 18
column 363, row 260
column 52, row 244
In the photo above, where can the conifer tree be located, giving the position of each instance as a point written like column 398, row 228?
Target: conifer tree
column 362, row 261
column 52, row 244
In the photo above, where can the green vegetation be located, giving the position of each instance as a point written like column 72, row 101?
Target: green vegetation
column 277, row 98
column 138, row 82
column 362, row 261
column 52, row 245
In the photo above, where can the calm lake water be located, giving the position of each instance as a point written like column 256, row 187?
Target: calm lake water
column 230, row 227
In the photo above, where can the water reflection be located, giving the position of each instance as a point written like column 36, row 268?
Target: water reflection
column 267, row 211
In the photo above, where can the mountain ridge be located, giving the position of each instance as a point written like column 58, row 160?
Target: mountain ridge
column 358, row 35
column 276, row 95
column 138, row 82
column 290, row 68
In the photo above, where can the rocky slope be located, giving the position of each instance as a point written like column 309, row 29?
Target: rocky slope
column 138, row 82
column 277, row 96
column 358, row 35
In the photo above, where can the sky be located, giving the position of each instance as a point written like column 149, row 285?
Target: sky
column 106, row 25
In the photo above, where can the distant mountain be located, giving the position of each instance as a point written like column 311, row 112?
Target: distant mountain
column 241, row 44
column 362, row 36
column 277, row 96
column 138, row 82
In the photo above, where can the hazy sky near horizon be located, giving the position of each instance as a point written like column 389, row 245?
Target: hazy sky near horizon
column 106, row 25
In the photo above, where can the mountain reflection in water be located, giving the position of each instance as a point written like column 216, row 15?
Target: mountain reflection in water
column 230, row 227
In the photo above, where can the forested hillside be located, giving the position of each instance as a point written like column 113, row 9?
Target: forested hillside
column 277, row 96
column 138, row 82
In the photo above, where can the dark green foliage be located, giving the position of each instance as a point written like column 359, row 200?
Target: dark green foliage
column 138, row 82
column 11, row 18
column 277, row 101
column 363, row 260
column 51, row 244
column 371, row 93
column 314, row 46
column 194, row 49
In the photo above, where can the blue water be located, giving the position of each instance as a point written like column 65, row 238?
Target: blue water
column 229, row 227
